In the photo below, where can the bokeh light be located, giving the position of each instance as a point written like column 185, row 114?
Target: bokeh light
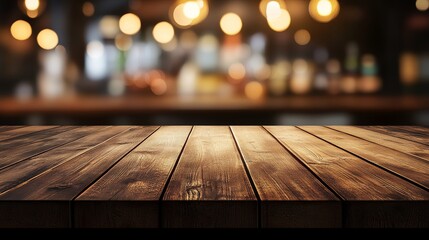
column 231, row 24
column 254, row 90
column 422, row 5
column 302, row 37
column 273, row 4
column 32, row 5
column 130, row 24
column 280, row 23
column 186, row 13
column 88, row 9
column 163, row 32
column 237, row 72
column 123, row 42
column 21, row 30
column 191, row 9
column 47, row 39
column 324, row 10
column 109, row 26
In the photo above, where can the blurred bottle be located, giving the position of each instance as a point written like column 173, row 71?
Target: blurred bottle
column 321, row 81
column 278, row 82
column 351, row 66
column 409, row 68
column 301, row 81
column 51, row 82
column 369, row 82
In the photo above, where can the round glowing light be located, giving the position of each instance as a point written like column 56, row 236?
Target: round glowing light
column 324, row 7
column 123, row 42
column 280, row 23
column 273, row 9
column 254, row 90
column 88, row 9
column 130, row 24
column 47, row 39
column 158, row 86
column 324, row 10
column 267, row 6
column 109, row 26
column 422, row 5
column 237, row 72
column 32, row 5
column 180, row 17
column 163, row 32
column 191, row 10
column 302, row 37
column 231, row 24
column 21, row 30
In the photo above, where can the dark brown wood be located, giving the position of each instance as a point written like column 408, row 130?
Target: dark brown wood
column 135, row 104
column 416, row 134
column 23, row 148
column 129, row 194
column 291, row 196
column 65, row 182
column 26, row 170
column 16, row 133
column 413, row 168
column 399, row 144
column 209, row 187
column 364, row 187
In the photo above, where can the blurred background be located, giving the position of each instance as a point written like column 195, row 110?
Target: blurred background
column 214, row 62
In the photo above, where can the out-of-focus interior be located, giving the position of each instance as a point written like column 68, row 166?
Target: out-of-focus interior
column 214, row 62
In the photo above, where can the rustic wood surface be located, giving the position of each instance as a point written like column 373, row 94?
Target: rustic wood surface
column 214, row 176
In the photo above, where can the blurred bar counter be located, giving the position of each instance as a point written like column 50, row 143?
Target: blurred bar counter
column 301, row 110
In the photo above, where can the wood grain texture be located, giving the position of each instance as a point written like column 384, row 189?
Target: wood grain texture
column 8, row 128
column 399, row 144
column 129, row 194
column 16, row 151
column 26, row 170
column 66, row 181
column 209, row 187
column 413, row 168
column 357, row 182
column 16, row 133
column 291, row 196
column 416, row 134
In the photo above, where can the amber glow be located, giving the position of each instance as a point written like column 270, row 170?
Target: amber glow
column 422, row 5
column 130, row 24
column 163, row 32
column 21, row 30
column 88, row 9
column 324, row 10
column 186, row 13
column 231, row 24
column 47, row 39
column 123, row 42
column 254, row 90
column 32, row 5
column 237, row 72
column 280, row 23
column 302, row 37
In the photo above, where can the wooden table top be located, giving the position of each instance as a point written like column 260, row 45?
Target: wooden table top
column 214, row 176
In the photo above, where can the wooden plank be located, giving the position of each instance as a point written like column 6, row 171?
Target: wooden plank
column 372, row 197
column 16, row 133
column 209, row 187
column 399, row 144
column 415, row 134
column 129, row 194
column 13, row 151
column 8, row 128
column 413, row 168
column 291, row 196
column 63, row 183
column 26, row 170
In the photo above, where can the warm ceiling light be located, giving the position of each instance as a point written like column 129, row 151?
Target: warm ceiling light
column 130, row 24
column 302, row 37
column 324, row 10
column 273, row 9
column 266, row 6
column 32, row 5
column 21, row 30
column 191, row 10
column 422, row 5
column 280, row 23
column 47, row 39
column 231, row 24
column 163, row 32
